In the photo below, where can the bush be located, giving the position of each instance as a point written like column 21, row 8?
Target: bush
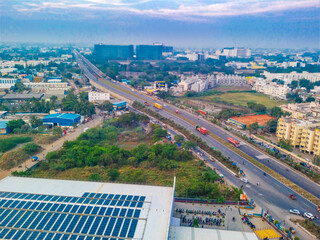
column 95, row 177
column 10, row 143
column 113, row 174
column 31, row 148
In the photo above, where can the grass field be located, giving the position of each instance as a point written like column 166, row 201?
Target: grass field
column 241, row 99
column 9, row 143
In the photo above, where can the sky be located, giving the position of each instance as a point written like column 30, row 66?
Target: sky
column 179, row 23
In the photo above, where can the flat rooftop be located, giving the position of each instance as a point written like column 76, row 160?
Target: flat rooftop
column 189, row 233
column 34, row 208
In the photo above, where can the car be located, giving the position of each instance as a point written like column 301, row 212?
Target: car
column 19, row 166
column 211, row 159
column 292, row 196
column 294, row 211
column 308, row 215
column 244, row 180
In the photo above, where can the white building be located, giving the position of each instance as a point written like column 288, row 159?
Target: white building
column 6, row 83
column 270, row 88
column 8, row 70
column 235, row 52
column 230, row 80
column 98, row 96
column 293, row 76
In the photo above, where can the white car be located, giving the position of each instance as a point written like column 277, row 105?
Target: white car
column 308, row 215
column 244, row 180
column 294, row 211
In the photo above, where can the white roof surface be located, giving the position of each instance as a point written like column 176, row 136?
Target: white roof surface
column 155, row 216
column 190, row 233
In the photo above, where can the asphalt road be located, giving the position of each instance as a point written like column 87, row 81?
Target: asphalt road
column 271, row 194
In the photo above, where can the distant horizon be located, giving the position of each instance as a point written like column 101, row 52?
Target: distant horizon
column 270, row 24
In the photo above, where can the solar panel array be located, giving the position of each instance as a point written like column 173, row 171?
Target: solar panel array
column 94, row 216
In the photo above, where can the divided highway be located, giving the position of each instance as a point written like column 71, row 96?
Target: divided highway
column 271, row 194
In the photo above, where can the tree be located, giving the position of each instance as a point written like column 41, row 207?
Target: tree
column 179, row 138
column 285, row 144
column 57, row 131
column 298, row 100
column 31, row 148
column 35, row 122
column 159, row 132
column 276, row 112
column 95, row 177
column 189, row 145
column 253, row 127
column 19, row 87
column 271, row 126
column 113, row 174
column 106, row 106
column 15, row 124
column 310, row 99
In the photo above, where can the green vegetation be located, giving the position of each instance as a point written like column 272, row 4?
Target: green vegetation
column 81, row 105
column 13, row 158
column 7, row 144
column 242, row 98
column 285, row 144
column 310, row 226
column 95, row 155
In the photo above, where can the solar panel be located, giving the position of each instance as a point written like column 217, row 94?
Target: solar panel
column 39, row 216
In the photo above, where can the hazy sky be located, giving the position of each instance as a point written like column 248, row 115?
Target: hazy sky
column 187, row 23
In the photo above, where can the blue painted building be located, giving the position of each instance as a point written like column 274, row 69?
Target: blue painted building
column 61, row 119
column 119, row 105
column 3, row 127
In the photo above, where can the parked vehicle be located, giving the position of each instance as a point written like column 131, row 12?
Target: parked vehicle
column 211, row 159
column 294, row 211
column 146, row 104
column 203, row 130
column 308, row 215
column 202, row 112
column 34, row 158
column 234, row 142
column 157, row 105
column 176, row 111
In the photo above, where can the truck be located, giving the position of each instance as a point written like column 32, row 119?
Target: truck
column 146, row 104
column 234, row 142
column 202, row 112
column 203, row 130
column 157, row 105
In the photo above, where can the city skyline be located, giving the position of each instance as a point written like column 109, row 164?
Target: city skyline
column 186, row 23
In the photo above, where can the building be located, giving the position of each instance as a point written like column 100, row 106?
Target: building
column 292, row 76
column 54, row 79
column 63, row 209
column 3, row 127
column 119, row 105
column 98, row 96
column 22, row 97
column 245, row 121
column 7, row 83
column 149, row 52
column 48, row 86
column 304, row 134
column 230, row 80
column 189, row 233
column 302, row 110
column 112, row 52
column 62, row 119
column 234, row 52
column 271, row 89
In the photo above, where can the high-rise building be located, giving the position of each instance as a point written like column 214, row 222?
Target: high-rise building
column 113, row 52
column 149, row 52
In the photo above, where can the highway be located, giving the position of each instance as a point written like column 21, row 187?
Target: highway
column 271, row 194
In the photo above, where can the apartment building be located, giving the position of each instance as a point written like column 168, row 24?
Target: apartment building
column 293, row 76
column 271, row 89
column 98, row 96
column 302, row 110
column 304, row 134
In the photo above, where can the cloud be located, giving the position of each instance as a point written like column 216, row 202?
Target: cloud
column 188, row 10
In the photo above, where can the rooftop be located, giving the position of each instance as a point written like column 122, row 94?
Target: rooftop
column 188, row 233
column 3, row 124
column 22, row 96
column 62, row 115
column 112, row 209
